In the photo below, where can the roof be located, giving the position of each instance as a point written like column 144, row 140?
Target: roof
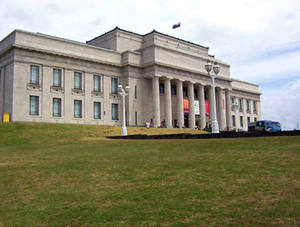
column 139, row 35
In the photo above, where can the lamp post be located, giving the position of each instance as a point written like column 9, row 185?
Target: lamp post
column 216, row 70
column 123, row 93
column 235, row 107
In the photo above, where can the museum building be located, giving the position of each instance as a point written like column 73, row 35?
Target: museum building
column 50, row 79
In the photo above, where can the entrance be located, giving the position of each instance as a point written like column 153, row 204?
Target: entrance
column 186, row 120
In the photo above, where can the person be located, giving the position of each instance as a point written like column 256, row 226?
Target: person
column 147, row 124
column 151, row 123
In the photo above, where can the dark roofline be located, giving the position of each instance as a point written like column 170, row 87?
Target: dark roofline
column 154, row 31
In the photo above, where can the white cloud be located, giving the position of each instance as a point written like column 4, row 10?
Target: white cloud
column 282, row 104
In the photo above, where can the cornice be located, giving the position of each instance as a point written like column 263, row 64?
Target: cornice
column 18, row 46
column 246, row 90
column 192, row 54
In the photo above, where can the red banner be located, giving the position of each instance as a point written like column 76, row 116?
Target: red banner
column 186, row 106
column 207, row 113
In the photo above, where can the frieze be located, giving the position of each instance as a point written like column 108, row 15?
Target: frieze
column 67, row 61
column 240, row 94
column 189, row 76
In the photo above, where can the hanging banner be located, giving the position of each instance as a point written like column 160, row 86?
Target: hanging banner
column 197, row 107
column 186, row 106
column 207, row 112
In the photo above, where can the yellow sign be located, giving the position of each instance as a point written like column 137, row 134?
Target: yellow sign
column 5, row 117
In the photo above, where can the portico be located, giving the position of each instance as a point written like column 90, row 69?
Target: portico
column 162, row 92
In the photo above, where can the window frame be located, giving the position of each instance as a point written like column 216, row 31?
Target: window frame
column 114, row 118
column 80, row 113
column 31, row 73
column 94, row 83
column 247, row 105
column 60, row 78
column 173, row 89
column 195, row 93
column 37, row 111
column 76, row 74
column 59, row 107
column 99, row 114
column 233, row 121
column 240, row 104
column 114, row 89
column 161, row 88
column 254, row 106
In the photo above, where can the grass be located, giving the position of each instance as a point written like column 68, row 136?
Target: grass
column 58, row 175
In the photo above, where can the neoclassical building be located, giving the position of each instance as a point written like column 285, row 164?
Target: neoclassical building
column 50, row 79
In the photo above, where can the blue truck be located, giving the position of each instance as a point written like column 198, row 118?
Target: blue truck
column 267, row 126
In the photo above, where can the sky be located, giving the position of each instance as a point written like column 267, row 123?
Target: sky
column 260, row 39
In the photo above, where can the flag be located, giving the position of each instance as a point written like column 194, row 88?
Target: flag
column 176, row 25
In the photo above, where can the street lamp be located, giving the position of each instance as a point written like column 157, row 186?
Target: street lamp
column 235, row 107
column 216, row 70
column 123, row 93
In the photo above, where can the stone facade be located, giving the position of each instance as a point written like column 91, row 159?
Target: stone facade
column 161, row 71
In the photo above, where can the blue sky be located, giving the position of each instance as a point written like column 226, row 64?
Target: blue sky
column 260, row 39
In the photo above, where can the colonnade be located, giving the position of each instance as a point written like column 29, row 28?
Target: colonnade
column 222, row 98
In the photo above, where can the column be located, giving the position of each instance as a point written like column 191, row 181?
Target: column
column 180, row 113
column 220, row 109
column 156, row 105
column 168, row 102
column 191, row 105
column 202, row 106
column 245, row 123
column 211, row 104
column 228, row 109
column 258, row 110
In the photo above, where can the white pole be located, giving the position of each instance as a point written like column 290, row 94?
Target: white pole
column 123, row 94
column 124, row 129
column 215, row 125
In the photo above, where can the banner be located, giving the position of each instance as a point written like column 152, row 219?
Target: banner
column 207, row 112
column 197, row 107
column 186, row 106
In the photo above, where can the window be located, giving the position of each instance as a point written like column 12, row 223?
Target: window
column 78, row 80
column 248, row 120
column 173, row 90
column 232, row 101
column 56, row 77
column 161, row 88
column 233, row 120
column 114, row 85
column 34, row 74
column 247, row 105
column 56, row 107
column 241, row 121
column 77, row 109
column 255, row 119
column 136, row 118
column 254, row 106
column 97, row 83
column 34, row 105
column 97, row 110
column 240, row 104
column 135, row 92
column 185, row 92
column 195, row 93
column 114, row 112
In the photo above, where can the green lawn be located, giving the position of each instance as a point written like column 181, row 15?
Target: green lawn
column 58, row 175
